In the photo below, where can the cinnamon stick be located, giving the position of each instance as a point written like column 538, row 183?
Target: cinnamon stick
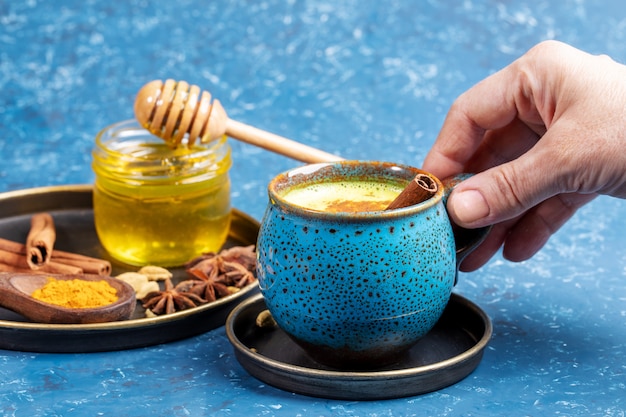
column 12, row 268
column 40, row 240
column 420, row 189
column 14, row 259
column 60, row 268
column 18, row 262
column 10, row 246
column 13, row 255
column 88, row 264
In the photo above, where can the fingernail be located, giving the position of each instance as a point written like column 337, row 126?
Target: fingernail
column 469, row 206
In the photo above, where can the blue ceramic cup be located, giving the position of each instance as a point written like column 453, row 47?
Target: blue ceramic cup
column 357, row 289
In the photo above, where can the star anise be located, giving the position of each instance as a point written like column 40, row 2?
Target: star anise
column 170, row 300
column 217, row 275
column 243, row 255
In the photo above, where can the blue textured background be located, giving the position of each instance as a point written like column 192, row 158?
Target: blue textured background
column 365, row 79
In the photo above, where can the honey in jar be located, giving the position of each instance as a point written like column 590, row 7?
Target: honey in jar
column 157, row 205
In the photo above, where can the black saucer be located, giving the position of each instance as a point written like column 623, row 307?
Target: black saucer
column 446, row 355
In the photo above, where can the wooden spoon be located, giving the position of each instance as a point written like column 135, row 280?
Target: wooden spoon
column 16, row 290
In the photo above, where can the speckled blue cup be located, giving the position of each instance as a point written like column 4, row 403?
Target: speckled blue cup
column 357, row 290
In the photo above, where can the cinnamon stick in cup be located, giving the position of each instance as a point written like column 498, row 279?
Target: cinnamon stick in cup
column 420, row 189
column 40, row 240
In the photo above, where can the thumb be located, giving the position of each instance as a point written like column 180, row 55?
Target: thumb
column 502, row 192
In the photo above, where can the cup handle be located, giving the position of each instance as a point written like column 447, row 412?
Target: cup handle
column 466, row 240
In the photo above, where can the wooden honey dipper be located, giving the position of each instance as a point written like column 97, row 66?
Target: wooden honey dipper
column 171, row 110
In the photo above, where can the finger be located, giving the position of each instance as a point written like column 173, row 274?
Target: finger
column 466, row 123
column 492, row 104
column 531, row 232
column 508, row 190
column 503, row 145
column 522, row 90
column 522, row 237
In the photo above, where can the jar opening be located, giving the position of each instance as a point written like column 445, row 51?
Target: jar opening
column 128, row 152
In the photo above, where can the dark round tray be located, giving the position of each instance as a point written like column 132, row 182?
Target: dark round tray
column 447, row 354
column 71, row 208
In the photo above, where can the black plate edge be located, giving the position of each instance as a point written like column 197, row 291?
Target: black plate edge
column 33, row 200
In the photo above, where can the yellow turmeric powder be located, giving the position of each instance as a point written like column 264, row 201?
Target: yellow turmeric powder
column 76, row 293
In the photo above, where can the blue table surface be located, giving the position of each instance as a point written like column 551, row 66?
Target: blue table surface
column 360, row 78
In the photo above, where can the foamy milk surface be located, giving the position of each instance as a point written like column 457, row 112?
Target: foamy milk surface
column 344, row 196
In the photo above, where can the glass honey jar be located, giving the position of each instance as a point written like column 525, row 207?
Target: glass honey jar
column 156, row 205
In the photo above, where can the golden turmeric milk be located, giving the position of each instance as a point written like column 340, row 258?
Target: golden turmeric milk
column 345, row 196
